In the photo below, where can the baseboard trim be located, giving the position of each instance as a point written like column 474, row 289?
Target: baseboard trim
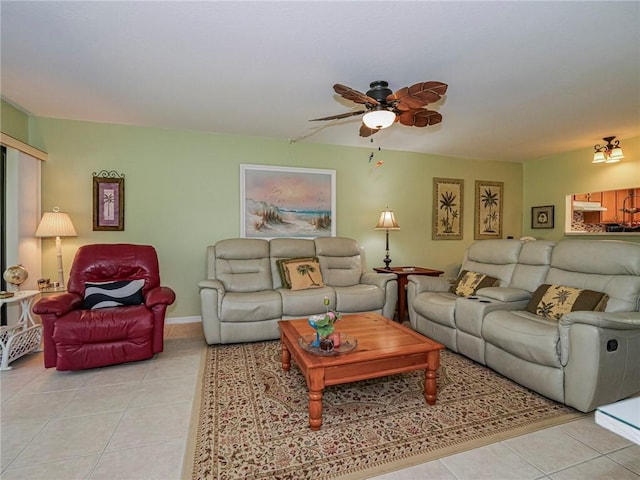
column 176, row 320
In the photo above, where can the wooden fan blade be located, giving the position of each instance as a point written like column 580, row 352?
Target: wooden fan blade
column 366, row 131
column 419, row 118
column 418, row 95
column 341, row 115
column 353, row 95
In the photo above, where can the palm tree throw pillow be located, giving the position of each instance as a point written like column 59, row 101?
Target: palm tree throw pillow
column 468, row 283
column 282, row 271
column 304, row 274
column 554, row 301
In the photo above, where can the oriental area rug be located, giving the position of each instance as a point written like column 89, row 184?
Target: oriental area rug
column 251, row 418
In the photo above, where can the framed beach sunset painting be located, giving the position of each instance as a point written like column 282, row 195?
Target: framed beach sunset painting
column 287, row 202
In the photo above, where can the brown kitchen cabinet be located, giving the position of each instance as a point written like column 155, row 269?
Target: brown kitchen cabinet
column 613, row 201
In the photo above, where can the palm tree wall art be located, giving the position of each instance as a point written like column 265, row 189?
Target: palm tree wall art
column 447, row 213
column 488, row 211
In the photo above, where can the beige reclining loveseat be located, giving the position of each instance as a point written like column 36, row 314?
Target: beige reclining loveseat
column 584, row 359
column 243, row 297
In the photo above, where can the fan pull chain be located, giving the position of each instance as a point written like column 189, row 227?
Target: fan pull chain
column 379, row 163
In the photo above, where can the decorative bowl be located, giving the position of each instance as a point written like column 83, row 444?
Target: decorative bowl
column 347, row 344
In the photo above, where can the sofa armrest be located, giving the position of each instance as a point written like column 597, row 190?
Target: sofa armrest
column 504, row 294
column 600, row 352
column 616, row 321
column 388, row 283
column 377, row 279
column 159, row 296
column 58, row 305
column 215, row 284
column 599, row 320
column 211, row 294
column 428, row 284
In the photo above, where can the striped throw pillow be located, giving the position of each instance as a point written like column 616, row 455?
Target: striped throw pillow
column 113, row 294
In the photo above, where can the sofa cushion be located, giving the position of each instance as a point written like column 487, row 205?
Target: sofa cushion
column 340, row 260
column 303, row 274
column 359, row 298
column 249, row 307
column 95, row 338
column 468, row 283
column 524, row 335
column 113, row 294
column 498, row 252
column 553, row 301
column 438, row 307
column 608, row 266
column 287, row 249
column 129, row 323
column 533, row 265
column 244, row 275
column 300, row 303
column 280, row 265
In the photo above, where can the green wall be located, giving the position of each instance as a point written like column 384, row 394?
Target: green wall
column 547, row 181
column 182, row 194
column 14, row 122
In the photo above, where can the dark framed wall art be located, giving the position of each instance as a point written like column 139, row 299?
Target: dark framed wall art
column 108, row 201
column 488, row 213
column 447, row 210
column 542, row 217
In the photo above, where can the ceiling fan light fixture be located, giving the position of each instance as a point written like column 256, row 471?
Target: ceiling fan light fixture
column 378, row 119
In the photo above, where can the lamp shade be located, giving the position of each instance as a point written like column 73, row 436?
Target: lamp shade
column 599, row 157
column 387, row 221
column 615, row 155
column 379, row 119
column 56, row 224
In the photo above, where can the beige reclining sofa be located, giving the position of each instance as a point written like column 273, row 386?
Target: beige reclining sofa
column 243, row 297
column 582, row 358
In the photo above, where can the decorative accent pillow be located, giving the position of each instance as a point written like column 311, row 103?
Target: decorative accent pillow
column 304, row 274
column 553, row 301
column 468, row 283
column 113, row 294
column 284, row 277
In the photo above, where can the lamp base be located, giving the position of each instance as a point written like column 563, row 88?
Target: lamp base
column 387, row 261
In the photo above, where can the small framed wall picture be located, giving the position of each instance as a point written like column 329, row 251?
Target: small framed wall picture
column 542, row 217
column 108, row 201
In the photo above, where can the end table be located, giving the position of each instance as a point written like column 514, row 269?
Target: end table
column 25, row 336
column 403, row 273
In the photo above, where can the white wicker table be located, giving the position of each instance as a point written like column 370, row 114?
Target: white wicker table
column 23, row 337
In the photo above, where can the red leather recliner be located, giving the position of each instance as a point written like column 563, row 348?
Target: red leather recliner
column 76, row 338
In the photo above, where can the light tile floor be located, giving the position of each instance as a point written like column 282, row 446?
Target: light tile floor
column 131, row 421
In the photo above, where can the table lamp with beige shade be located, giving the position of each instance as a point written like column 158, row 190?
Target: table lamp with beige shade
column 56, row 224
column 387, row 221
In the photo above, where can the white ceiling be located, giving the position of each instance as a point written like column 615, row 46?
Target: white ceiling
column 526, row 79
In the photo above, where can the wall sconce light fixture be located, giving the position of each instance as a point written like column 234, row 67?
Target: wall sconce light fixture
column 609, row 153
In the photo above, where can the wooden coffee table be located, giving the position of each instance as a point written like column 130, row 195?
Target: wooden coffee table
column 384, row 348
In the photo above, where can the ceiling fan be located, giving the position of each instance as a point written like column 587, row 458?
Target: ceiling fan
column 383, row 107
